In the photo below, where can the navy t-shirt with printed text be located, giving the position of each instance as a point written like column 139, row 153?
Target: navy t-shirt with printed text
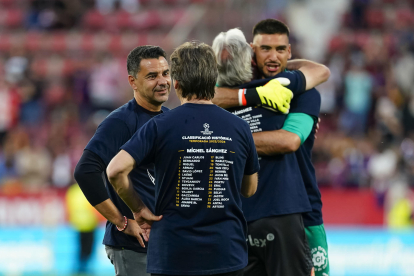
column 201, row 153
column 110, row 135
column 281, row 189
column 307, row 103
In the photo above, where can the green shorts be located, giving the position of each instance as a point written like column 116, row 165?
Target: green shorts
column 319, row 249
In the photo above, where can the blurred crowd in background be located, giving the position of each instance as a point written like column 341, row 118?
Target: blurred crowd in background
column 63, row 69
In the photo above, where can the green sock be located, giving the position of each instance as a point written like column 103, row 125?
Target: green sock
column 319, row 249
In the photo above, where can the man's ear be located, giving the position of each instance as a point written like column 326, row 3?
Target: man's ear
column 176, row 84
column 290, row 52
column 131, row 81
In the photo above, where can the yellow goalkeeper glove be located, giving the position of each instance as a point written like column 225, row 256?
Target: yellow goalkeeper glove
column 273, row 95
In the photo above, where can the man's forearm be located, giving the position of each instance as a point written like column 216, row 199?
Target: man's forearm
column 110, row 212
column 226, row 97
column 127, row 192
column 315, row 73
column 118, row 170
column 275, row 142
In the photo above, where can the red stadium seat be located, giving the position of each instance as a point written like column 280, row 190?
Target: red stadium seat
column 6, row 3
column 68, row 67
column 33, row 41
column 5, row 42
column 146, row 20
column 55, row 65
column 13, row 18
column 39, row 67
column 145, row 2
column 58, row 41
column 375, row 18
column 87, row 42
column 171, row 17
column 361, row 39
column 94, row 20
column 336, row 43
column 101, row 41
column 129, row 41
column 115, row 44
column 404, row 17
column 176, row 2
column 123, row 20
column 73, row 41
column 390, row 41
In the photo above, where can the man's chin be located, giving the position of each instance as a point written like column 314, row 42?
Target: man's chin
column 267, row 74
column 162, row 98
column 271, row 74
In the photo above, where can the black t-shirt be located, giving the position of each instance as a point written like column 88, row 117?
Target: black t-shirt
column 201, row 153
column 111, row 134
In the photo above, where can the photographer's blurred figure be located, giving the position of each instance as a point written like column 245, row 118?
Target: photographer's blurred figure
column 82, row 217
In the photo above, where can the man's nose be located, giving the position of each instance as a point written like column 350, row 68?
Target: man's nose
column 273, row 56
column 162, row 80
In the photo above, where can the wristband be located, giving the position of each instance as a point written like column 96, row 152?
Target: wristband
column 242, row 98
column 125, row 225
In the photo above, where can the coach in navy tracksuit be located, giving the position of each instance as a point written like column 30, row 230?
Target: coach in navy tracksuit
column 149, row 77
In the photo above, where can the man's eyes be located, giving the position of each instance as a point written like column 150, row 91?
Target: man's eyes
column 280, row 50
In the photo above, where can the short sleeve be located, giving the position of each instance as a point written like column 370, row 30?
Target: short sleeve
column 296, row 78
column 307, row 103
column 142, row 144
column 252, row 162
column 110, row 135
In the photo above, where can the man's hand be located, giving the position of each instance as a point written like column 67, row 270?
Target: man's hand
column 273, row 95
column 143, row 221
column 134, row 230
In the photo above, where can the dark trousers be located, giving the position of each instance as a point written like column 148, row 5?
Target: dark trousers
column 278, row 247
column 233, row 273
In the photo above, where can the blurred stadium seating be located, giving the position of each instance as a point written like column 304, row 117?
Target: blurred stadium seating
column 62, row 70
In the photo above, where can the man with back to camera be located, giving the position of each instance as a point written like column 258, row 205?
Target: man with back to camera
column 270, row 141
column 204, row 159
column 149, row 77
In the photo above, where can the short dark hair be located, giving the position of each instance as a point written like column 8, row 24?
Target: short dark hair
column 270, row 26
column 140, row 53
column 194, row 65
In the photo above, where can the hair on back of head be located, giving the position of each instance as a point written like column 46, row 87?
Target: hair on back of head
column 194, row 66
column 234, row 56
column 270, row 26
column 140, row 53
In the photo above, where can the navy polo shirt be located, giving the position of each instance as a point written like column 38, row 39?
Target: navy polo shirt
column 111, row 134
column 201, row 153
